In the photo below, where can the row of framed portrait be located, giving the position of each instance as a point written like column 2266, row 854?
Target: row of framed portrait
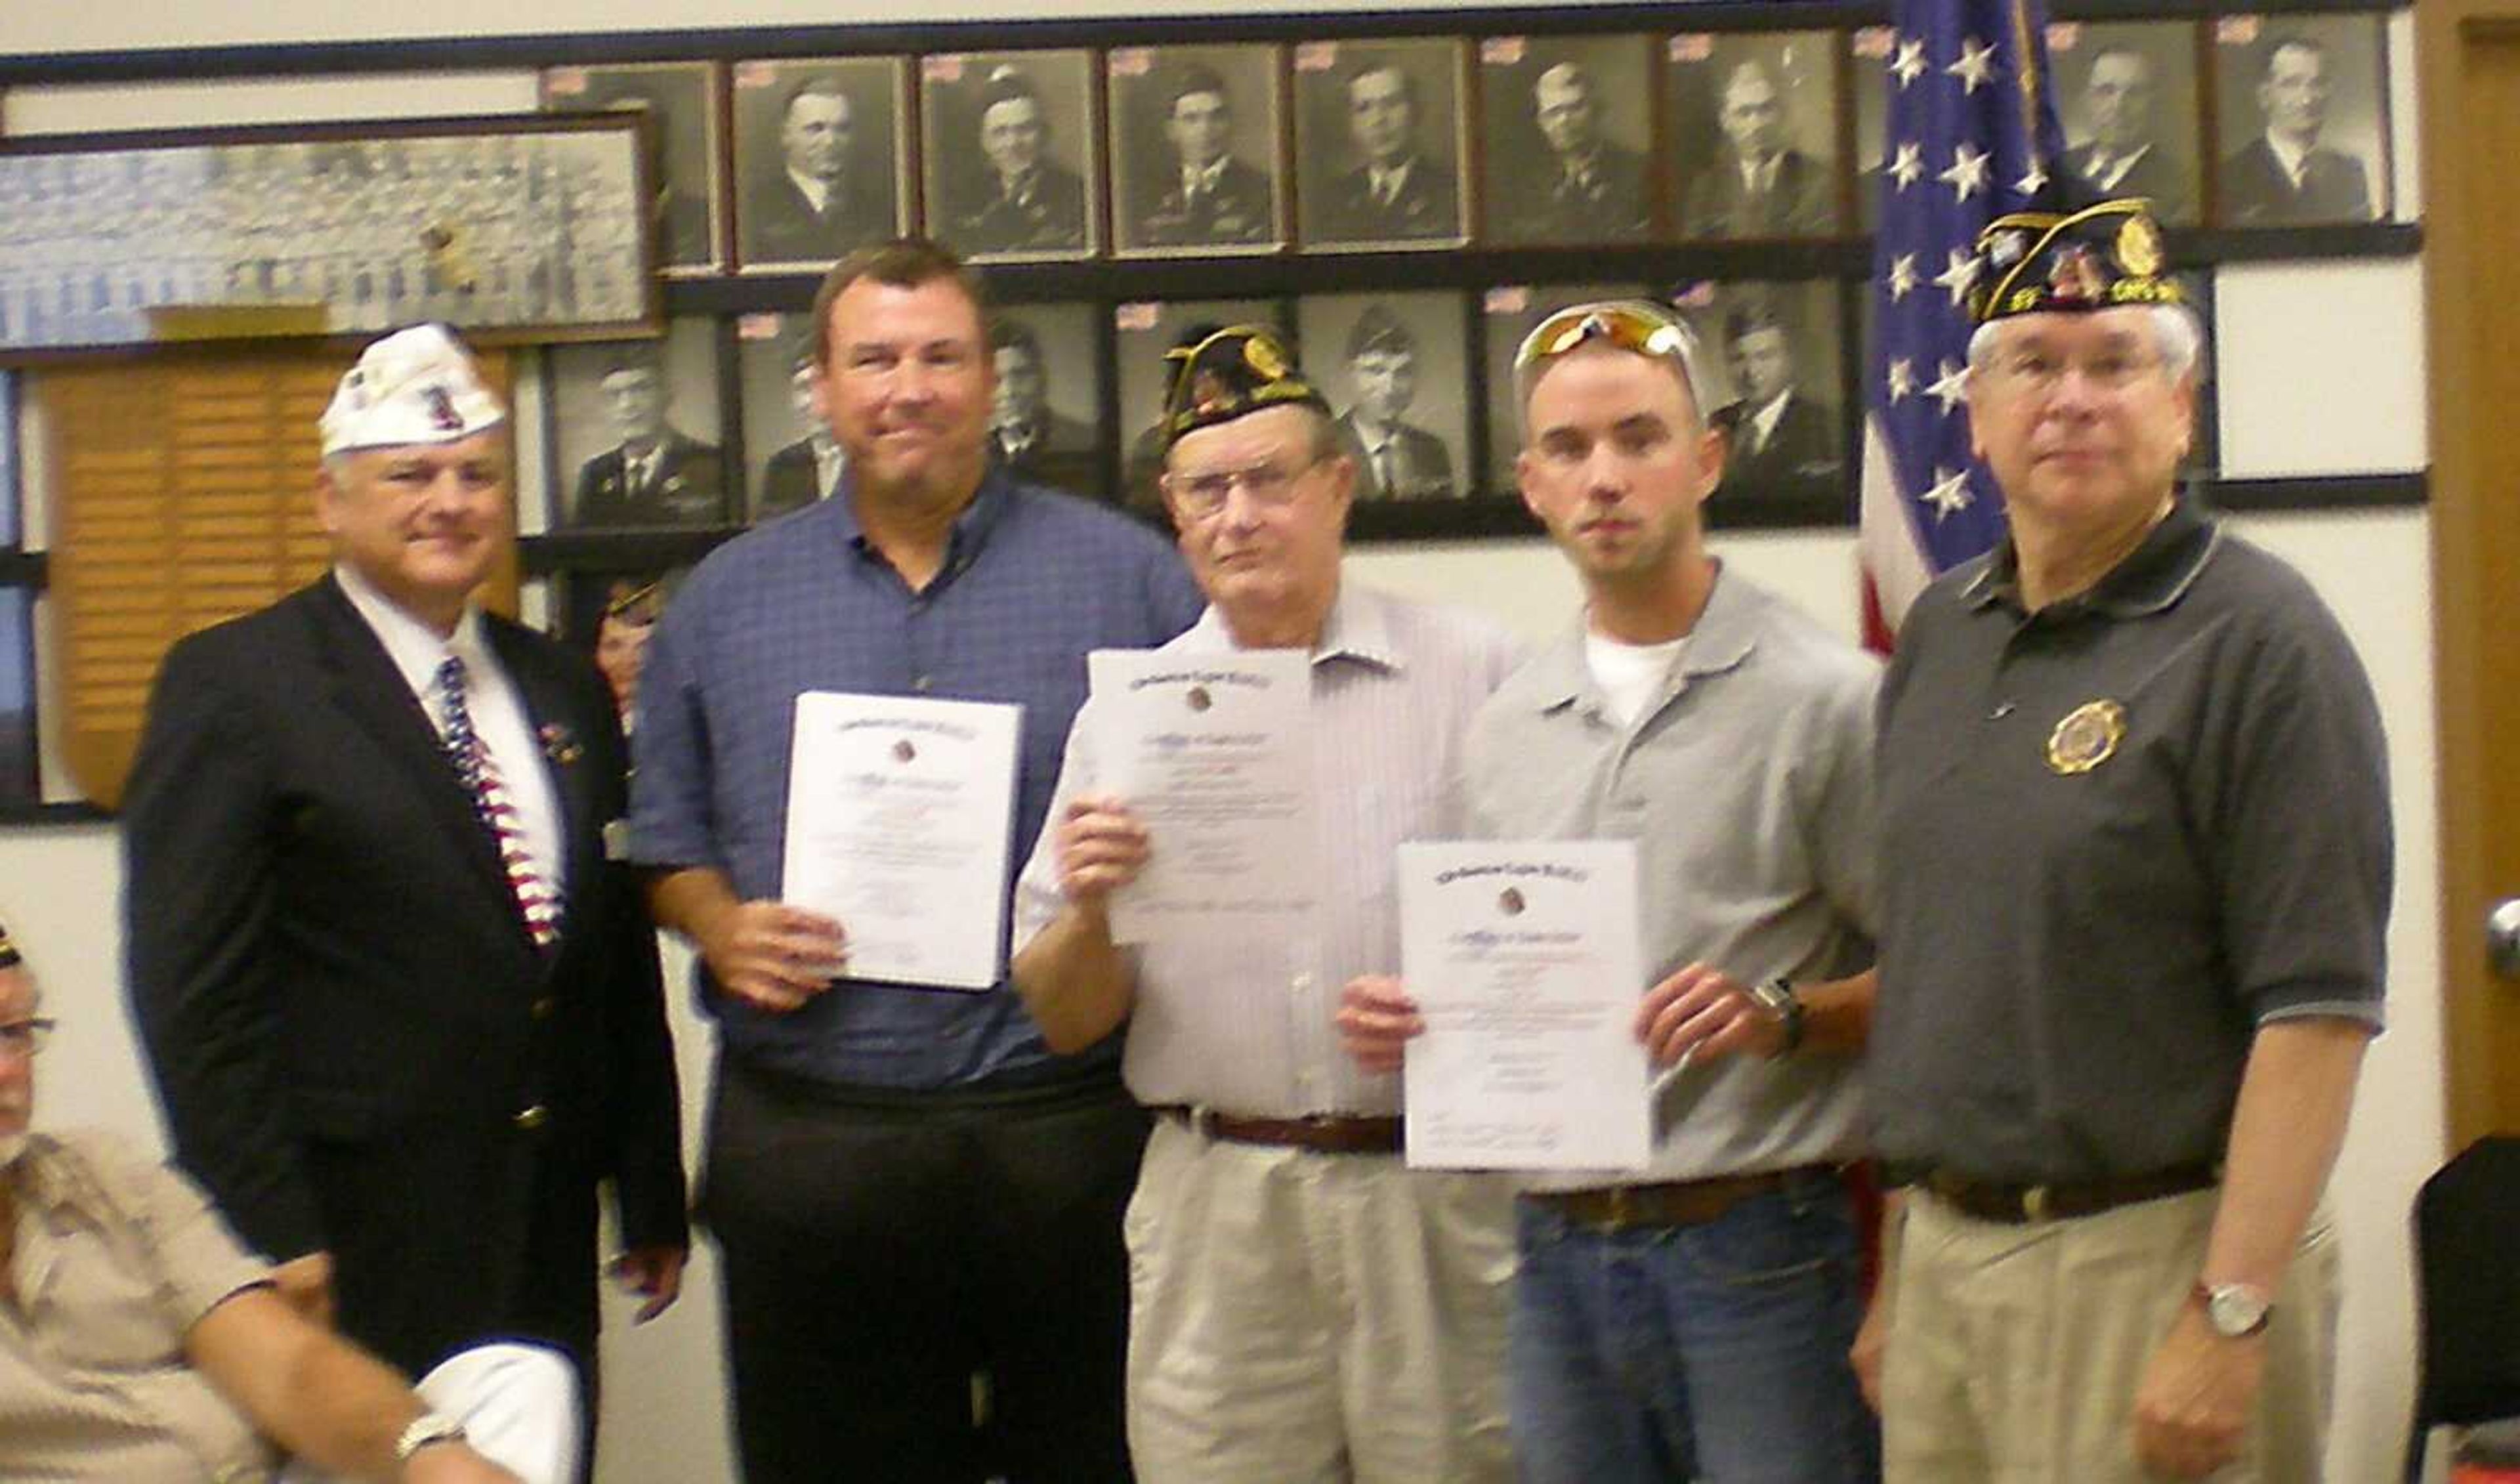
column 783, row 165
column 713, row 425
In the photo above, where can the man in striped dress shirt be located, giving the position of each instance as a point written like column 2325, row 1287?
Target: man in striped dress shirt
column 1302, row 1306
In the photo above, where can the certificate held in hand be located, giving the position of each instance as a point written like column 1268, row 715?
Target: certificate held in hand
column 1212, row 752
column 900, row 818
column 1524, row 959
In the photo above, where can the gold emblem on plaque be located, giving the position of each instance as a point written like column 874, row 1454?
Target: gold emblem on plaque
column 2086, row 738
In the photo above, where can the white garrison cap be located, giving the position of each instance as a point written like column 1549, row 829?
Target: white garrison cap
column 416, row 386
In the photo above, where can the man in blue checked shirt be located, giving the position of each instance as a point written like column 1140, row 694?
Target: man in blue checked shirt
column 909, row 1189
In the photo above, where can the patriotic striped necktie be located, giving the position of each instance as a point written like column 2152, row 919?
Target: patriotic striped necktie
column 536, row 900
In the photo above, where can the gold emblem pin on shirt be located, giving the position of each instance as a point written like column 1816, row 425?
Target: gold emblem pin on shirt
column 2086, row 738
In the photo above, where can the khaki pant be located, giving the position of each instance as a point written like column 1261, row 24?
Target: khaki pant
column 1299, row 1317
column 2015, row 1351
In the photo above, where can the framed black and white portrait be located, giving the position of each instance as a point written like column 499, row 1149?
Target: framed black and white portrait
column 1007, row 150
column 1770, row 353
column 821, row 159
column 1047, row 418
column 2127, row 94
column 1872, row 48
column 791, row 458
column 1508, row 313
column 685, row 112
column 1381, row 143
column 1395, row 369
column 635, row 430
column 1567, row 123
column 1140, row 334
column 2302, row 135
column 1195, row 164
column 1752, row 134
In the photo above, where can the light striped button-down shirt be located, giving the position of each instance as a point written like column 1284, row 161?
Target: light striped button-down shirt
column 1246, row 1026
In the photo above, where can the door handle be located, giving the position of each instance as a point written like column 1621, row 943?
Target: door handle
column 2503, row 938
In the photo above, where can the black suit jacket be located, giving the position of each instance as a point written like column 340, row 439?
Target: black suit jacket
column 2258, row 193
column 780, row 226
column 1609, row 205
column 1799, row 203
column 1062, row 455
column 1801, row 457
column 1427, row 204
column 1051, row 219
column 357, row 1045
column 688, row 488
column 1242, row 209
column 2154, row 175
column 791, row 479
column 1421, row 467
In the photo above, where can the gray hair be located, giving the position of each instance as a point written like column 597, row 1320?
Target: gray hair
column 2178, row 336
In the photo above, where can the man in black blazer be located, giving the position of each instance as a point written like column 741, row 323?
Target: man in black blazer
column 1778, row 441
column 657, row 474
column 1031, row 438
column 798, row 473
column 1395, row 193
column 820, row 202
column 1209, row 198
column 1021, row 199
column 1763, row 186
column 2125, row 155
column 1395, row 458
column 2285, row 176
column 404, row 1019
column 1595, row 190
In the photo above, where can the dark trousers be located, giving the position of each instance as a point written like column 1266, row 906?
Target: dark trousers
column 924, row 1286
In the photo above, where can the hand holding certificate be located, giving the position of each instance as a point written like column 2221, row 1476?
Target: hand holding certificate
column 899, row 818
column 1211, row 754
column 1525, row 960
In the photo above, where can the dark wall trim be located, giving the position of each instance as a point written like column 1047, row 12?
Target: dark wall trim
column 2322, row 492
column 71, row 812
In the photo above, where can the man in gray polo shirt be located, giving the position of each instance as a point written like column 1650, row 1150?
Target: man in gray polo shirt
column 2137, row 876
column 1689, row 1321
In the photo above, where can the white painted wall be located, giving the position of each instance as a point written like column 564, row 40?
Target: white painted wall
column 2321, row 373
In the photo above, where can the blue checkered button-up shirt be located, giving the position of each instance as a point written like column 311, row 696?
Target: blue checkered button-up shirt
column 1031, row 582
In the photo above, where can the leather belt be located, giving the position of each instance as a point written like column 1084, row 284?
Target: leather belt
column 1321, row 1133
column 2017, row 1203
column 1663, row 1204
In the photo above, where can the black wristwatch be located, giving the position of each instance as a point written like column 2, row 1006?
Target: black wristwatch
column 1778, row 998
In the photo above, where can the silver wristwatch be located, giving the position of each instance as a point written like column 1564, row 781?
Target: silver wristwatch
column 424, row 1430
column 2236, row 1311
column 1778, row 998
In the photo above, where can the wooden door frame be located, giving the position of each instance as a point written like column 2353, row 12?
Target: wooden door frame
column 2460, row 513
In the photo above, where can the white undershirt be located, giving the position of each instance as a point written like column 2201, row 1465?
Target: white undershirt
column 1631, row 675
column 497, row 711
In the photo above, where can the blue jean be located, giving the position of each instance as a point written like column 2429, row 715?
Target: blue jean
column 1714, row 1352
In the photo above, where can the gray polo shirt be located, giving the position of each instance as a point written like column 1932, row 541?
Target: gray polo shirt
column 2118, row 837
column 1746, row 785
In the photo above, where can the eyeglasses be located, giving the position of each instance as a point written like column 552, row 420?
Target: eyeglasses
column 1628, row 324
column 25, row 1038
column 1270, row 486
column 2039, row 373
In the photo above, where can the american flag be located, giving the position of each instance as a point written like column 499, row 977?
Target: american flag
column 1971, row 128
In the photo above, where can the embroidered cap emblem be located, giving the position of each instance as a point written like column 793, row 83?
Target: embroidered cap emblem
column 2086, row 738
